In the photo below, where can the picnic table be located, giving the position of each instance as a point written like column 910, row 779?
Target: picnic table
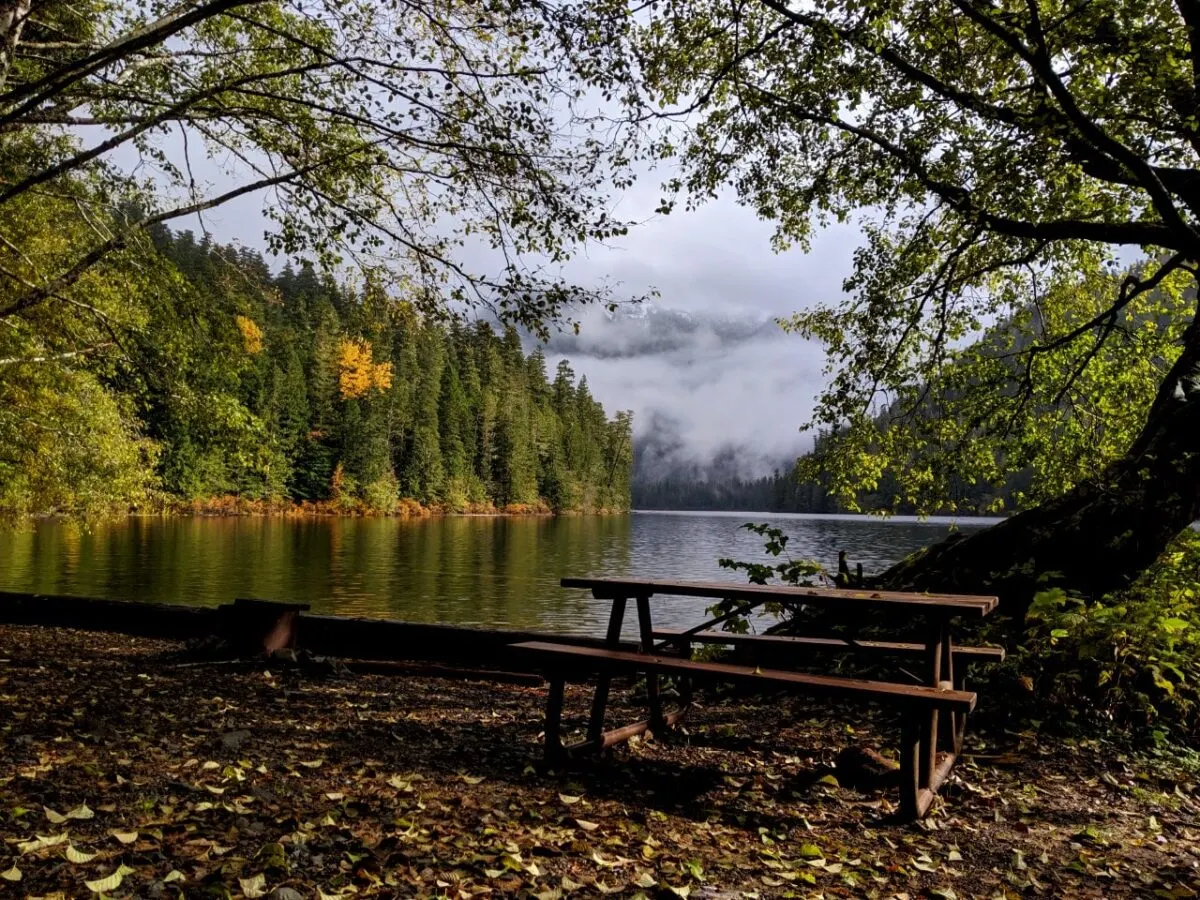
column 933, row 711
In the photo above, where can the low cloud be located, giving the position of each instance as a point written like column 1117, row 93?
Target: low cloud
column 699, row 383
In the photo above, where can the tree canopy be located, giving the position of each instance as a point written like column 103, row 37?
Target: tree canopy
column 1004, row 160
column 392, row 136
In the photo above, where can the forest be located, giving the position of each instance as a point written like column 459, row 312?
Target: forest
column 290, row 388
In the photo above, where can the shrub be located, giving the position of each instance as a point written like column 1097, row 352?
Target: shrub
column 1131, row 658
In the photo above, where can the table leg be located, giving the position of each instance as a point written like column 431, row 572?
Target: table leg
column 936, row 647
column 646, row 627
column 600, row 700
column 946, row 681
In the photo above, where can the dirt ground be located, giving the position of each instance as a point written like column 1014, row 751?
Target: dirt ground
column 128, row 771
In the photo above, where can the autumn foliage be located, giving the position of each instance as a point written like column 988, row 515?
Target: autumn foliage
column 358, row 373
column 252, row 335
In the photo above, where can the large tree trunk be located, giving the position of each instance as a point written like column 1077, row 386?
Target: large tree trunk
column 1100, row 535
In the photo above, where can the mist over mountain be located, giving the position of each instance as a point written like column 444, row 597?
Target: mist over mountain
column 661, row 453
column 645, row 329
column 715, row 394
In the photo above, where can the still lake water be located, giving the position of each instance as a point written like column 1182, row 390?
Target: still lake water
column 461, row 570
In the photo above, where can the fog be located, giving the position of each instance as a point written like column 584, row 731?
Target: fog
column 703, row 366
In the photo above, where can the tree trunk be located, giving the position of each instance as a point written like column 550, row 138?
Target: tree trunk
column 13, row 16
column 1099, row 536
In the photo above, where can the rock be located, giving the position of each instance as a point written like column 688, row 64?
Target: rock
column 232, row 740
column 865, row 767
column 285, row 893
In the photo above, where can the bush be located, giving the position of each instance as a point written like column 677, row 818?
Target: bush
column 1130, row 659
column 380, row 495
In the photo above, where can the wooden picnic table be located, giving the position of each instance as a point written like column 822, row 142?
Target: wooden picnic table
column 940, row 698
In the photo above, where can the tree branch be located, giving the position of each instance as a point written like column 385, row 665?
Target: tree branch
column 34, row 93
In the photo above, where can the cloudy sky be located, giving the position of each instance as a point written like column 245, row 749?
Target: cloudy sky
column 709, row 355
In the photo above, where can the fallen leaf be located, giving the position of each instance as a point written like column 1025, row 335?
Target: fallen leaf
column 125, row 837
column 254, row 886
column 13, row 874
column 586, row 826
column 81, row 812
column 103, row 885
column 472, row 779
column 39, row 842
column 568, row 799
column 55, row 818
column 75, row 855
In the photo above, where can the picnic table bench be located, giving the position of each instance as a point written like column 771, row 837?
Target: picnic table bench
column 933, row 713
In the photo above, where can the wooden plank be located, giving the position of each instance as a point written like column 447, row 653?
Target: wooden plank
column 616, row 621
column 553, row 735
column 938, row 635
column 646, row 634
column 910, row 779
column 625, row 732
column 559, row 658
column 960, row 604
column 900, row 648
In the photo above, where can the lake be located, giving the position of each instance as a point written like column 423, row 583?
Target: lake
column 489, row 571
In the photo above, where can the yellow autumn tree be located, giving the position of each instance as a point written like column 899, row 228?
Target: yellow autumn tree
column 358, row 372
column 252, row 335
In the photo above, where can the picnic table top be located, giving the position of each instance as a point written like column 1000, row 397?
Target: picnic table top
column 956, row 604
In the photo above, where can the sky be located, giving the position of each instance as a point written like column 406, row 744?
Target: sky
column 708, row 356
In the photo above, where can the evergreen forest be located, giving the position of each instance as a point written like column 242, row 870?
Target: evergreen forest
column 247, row 387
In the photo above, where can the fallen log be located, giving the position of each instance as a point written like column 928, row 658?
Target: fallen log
column 252, row 625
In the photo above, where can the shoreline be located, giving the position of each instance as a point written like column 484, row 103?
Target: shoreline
column 232, row 507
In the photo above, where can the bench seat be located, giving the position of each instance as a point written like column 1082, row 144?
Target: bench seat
column 563, row 659
column 774, row 641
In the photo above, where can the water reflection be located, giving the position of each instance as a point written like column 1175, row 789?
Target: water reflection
column 478, row 571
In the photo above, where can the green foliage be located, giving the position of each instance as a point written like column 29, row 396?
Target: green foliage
column 989, row 429
column 68, row 445
column 1132, row 658
column 788, row 571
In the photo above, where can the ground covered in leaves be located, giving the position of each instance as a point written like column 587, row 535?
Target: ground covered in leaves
column 129, row 772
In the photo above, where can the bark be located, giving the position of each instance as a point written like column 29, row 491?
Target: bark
column 13, row 15
column 1099, row 536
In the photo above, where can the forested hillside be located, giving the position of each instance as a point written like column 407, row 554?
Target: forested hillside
column 237, row 382
column 666, row 478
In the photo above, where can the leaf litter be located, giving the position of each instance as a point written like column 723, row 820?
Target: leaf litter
column 361, row 786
